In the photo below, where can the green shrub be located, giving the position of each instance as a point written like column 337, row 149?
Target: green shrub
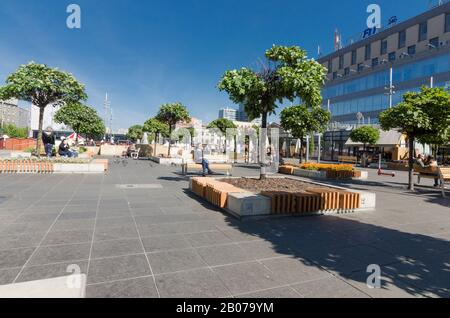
column 13, row 131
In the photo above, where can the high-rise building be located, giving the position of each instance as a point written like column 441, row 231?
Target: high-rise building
column 371, row 75
column 228, row 113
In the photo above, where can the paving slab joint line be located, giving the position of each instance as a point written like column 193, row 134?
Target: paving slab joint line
column 51, row 226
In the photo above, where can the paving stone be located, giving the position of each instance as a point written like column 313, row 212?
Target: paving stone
column 174, row 261
column 200, row 283
column 60, row 253
column 131, row 288
column 117, row 268
column 247, row 277
column 164, row 243
column 103, row 249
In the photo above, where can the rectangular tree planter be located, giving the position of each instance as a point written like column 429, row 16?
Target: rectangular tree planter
column 241, row 203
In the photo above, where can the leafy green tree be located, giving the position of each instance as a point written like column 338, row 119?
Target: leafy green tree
column 423, row 116
column 13, row 131
column 367, row 135
column 84, row 120
column 288, row 75
column 172, row 114
column 301, row 121
column 42, row 86
column 156, row 128
column 222, row 124
column 135, row 133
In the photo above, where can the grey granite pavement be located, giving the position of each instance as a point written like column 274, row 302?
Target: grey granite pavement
column 163, row 242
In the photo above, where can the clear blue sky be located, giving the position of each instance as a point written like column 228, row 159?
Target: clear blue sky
column 148, row 52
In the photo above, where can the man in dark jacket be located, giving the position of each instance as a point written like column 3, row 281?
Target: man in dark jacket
column 48, row 138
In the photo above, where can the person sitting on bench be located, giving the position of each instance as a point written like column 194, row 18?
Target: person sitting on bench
column 430, row 164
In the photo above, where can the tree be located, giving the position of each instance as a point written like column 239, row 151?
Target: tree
column 366, row 135
column 135, row 133
column 172, row 114
column 82, row 119
column 422, row 116
column 301, row 121
column 156, row 128
column 42, row 86
column 222, row 124
column 288, row 75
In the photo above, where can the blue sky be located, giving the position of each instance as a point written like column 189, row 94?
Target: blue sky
column 148, row 52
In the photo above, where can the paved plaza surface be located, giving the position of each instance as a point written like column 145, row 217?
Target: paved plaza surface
column 156, row 240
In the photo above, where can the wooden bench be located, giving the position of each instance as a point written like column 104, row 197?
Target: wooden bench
column 227, row 168
column 444, row 176
column 348, row 159
column 441, row 173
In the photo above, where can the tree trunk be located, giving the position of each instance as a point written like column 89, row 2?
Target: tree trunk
column 301, row 150
column 411, row 163
column 262, row 147
column 154, row 144
column 170, row 141
column 39, row 137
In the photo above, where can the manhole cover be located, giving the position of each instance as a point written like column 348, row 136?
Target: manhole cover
column 139, row 186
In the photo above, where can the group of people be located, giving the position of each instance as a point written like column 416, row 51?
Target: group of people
column 64, row 149
column 428, row 162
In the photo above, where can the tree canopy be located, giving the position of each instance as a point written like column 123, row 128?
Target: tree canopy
column 172, row 114
column 135, row 133
column 423, row 116
column 155, row 127
column 42, row 86
column 84, row 120
column 222, row 124
column 367, row 135
column 301, row 120
column 289, row 75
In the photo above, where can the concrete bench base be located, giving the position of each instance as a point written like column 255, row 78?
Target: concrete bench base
column 75, row 168
column 47, row 288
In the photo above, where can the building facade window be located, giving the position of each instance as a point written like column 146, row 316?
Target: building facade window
column 434, row 43
column 375, row 62
column 401, row 39
column 368, row 52
column 383, row 48
column 447, row 22
column 330, row 66
column 341, row 62
column 412, row 71
column 354, row 57
column 392, row 56
column 423, row 31
column 412, row 50
column 360, row 67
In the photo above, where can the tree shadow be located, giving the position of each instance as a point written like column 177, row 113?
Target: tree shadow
column 416, row 264
column 411, row 264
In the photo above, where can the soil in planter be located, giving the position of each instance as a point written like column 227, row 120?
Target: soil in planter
column 272, row 184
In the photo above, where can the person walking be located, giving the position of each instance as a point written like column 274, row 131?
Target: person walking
column 48, row 139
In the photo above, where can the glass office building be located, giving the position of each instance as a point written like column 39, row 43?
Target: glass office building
column 359, row 75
